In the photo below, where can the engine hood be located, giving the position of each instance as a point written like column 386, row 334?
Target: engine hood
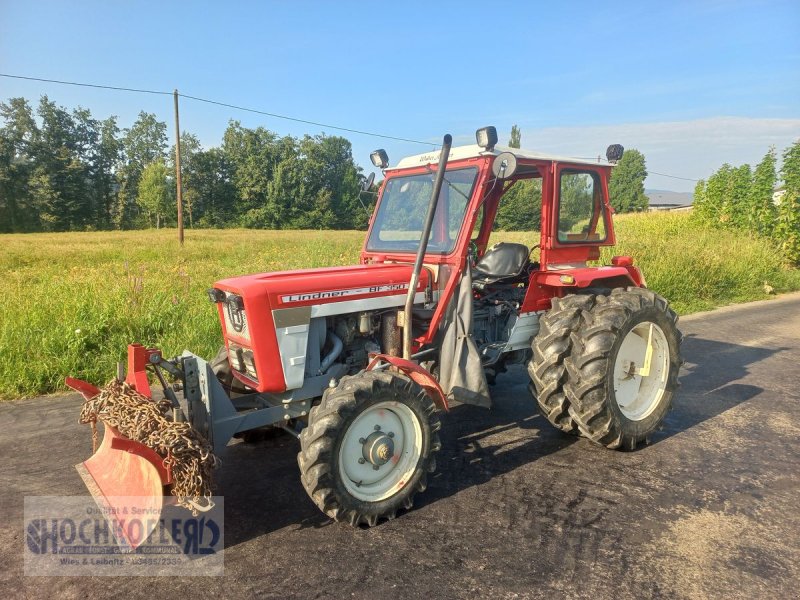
column 304, row 287
column 278, row 309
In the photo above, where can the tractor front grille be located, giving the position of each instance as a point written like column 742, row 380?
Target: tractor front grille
column 242, row 360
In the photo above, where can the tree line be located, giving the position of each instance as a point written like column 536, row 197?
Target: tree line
column 747, row 199
column 64, row 170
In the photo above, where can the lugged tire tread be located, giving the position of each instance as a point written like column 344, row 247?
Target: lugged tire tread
column 551, row 346
column 316, row 457
column 590, row 360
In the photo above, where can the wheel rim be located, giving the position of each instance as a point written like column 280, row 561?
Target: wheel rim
column 639, row 387
column 380, row 451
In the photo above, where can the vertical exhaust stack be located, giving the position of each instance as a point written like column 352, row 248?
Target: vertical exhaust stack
column 423, row 244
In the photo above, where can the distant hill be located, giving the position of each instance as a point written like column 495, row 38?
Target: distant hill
column 667, row 199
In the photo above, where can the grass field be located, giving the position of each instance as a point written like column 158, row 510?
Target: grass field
column 73, row 301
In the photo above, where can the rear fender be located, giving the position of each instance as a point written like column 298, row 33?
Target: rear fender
column 546, row 285
column 591, row 277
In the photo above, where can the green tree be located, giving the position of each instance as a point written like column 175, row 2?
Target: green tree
column 626, row 187
column 253, row 155
column 190, row 148
column 59, row 182
column 700, row 206
column 788, row 225
column 735, row 209
column 516, row 138
column 761, row 207
column 19, row 133
column 520, row 207
column 214, row 194
column 717, row 189
column 331, row 184
column 575, row 202
column 155, row 197
column 142, row 144
column 107, row 159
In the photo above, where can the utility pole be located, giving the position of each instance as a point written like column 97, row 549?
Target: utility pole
column 179, row 194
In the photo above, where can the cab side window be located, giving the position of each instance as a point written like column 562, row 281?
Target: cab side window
column 581, row 217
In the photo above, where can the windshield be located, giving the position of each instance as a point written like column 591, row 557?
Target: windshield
column 404, row 204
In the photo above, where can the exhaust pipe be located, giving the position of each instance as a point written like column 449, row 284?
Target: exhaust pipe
column 423, row 244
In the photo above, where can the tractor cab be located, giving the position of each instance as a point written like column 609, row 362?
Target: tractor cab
column 566, row 197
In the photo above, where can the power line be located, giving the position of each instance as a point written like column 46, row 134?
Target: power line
column 649, row 172
column 269, row 114
column 671, row 176
column 233, row 106
column 90, row 85
column 307, row 122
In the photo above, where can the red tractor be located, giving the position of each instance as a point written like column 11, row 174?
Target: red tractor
column 358, row 362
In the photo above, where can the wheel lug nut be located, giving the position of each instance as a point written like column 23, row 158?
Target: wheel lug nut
column 375, row 467
column 390, row 434
column 362, row 441
column 361, row 461
column 377, row 427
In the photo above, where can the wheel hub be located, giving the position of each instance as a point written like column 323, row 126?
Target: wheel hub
column 640, row 371
column 378, row 448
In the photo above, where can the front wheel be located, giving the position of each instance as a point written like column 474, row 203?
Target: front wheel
column 623, row 369
column 369, row 447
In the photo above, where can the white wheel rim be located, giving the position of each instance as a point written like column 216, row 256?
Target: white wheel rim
column 360, row 477
column 640, row 371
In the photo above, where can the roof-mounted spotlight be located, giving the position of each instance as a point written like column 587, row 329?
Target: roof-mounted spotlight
column 379, row 158
column 614, row 153
column 486, row 137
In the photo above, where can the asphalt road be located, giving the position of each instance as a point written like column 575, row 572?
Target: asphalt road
column 516, row 510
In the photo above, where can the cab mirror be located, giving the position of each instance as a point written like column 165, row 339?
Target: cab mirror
column 504, row 165
column 367, row 183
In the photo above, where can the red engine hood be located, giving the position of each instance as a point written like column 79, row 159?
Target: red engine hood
column 287, row 289
column 329, row 291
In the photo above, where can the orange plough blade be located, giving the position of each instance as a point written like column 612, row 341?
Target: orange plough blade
column 127, row 481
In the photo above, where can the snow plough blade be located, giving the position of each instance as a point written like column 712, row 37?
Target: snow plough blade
column 125, row 478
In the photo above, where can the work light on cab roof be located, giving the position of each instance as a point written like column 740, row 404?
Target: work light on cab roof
column 379, row 158
column 486, row 137
column 358, row 361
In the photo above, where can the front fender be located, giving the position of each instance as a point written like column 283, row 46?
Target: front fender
column 417, row 374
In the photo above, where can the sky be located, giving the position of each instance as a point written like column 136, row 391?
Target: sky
column 690, row 84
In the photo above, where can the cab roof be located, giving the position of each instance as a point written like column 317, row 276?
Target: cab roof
column 474, row 151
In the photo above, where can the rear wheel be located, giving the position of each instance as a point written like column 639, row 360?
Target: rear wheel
column 369, row 447
column 623, row 369
column 551, row 346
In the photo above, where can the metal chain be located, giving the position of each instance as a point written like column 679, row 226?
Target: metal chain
column 186, row 453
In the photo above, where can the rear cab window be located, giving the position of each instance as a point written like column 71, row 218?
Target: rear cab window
column 581, row 211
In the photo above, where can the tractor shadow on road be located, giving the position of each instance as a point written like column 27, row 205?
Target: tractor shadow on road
column 709, row 382
column 479, row 445
column 261, row 485
column 261, row 482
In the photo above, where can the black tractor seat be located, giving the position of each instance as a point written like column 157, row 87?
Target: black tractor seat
column 504, row 260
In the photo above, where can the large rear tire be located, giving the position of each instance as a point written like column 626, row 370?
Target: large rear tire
column 623, row 369
column 369, row 447
column 550, row 347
